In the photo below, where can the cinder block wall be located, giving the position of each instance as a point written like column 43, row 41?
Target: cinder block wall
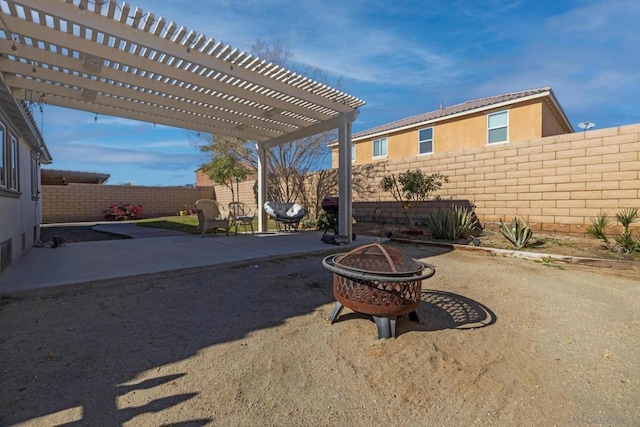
column 556, row 183
column 245, row 190
column 85, row 202
column 392, row 212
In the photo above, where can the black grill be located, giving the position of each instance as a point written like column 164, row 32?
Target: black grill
column 330, row 205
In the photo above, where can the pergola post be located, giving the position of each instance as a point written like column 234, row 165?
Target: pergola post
column 344, row 175
column 262, row 187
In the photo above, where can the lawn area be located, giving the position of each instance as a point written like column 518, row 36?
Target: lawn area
column 185, row 224
column 189, row 224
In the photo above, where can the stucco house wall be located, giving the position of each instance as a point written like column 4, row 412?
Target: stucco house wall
column 528, row 118
column 19, row 208
column 19, row 212
column 550, row 124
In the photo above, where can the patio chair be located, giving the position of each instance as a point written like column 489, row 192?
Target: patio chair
column 212, row 215
column 241, row 214
column 286, row 215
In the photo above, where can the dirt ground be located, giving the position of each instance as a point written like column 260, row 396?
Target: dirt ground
column 573, row 245
column 501, row 341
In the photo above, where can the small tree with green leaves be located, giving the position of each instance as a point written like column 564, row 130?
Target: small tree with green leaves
column 226, row 170
column 410, row 187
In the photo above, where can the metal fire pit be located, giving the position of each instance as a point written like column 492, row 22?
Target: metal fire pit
column 379, row 281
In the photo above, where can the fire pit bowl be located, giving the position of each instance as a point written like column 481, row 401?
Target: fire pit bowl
column 379, row 281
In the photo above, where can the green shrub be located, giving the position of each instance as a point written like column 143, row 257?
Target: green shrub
column 323, row 221
column 451, row 224
column 518, row 232
column 598, row 226
column 410, row 187
column 624, row 242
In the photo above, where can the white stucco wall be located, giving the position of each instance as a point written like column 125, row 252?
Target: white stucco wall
column 19, row 213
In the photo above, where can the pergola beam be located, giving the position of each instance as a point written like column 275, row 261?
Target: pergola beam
column 97, row 22
column 230, row 110
column 324, row 126
column 108, row 94
column 72, row 98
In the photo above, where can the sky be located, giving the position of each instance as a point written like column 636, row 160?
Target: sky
column 401, row 57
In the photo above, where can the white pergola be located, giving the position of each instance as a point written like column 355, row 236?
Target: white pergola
column 109, row 58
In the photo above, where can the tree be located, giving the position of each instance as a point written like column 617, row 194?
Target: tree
column 289, row 164
column 412, row 186
column 226, row 170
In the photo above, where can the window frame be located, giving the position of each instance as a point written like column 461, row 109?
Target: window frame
column 13, row 176
column 386, row 147
column 353, row 152
column 35, row 182
column 489, row 128
column 421, row 141
column 3, row 157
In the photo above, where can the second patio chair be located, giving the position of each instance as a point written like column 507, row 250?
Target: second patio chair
column 286, row 215
column 241, row 214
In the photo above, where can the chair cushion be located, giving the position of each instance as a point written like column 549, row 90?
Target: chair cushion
column 294, row 210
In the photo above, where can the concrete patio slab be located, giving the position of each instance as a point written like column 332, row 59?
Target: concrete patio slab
column 151, row 251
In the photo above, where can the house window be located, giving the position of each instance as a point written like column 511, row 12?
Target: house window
column 13, row 163
column 498, row 127
column 380, row 147
column 35, row 193
column 353, row 152
column 3, row 158
column 425, row 141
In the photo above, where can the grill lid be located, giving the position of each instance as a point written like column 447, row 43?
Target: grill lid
column 377, row 258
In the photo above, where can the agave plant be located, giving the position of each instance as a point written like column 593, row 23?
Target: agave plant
column 518, row 232
column 451, row 224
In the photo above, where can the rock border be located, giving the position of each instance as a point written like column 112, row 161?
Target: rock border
column 591, row 262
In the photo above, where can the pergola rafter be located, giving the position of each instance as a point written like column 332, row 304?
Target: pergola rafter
column 109, row 58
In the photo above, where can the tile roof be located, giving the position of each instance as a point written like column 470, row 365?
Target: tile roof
column 467, row 106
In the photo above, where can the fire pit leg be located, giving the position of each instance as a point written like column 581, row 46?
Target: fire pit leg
column 386, row 326
column 336, row 312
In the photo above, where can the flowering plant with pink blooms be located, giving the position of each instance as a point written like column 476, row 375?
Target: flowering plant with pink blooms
column 121, row 212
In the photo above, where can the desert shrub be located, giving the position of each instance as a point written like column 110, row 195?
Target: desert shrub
column 518, row 232
column 451, row 224
column 624, row 242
